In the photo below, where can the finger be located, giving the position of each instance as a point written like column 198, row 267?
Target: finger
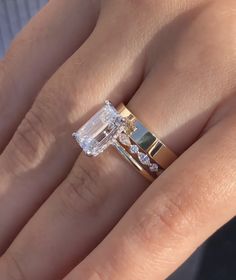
column 46, row 42
column 41, row 152
column 174, row 216
column 95, row 192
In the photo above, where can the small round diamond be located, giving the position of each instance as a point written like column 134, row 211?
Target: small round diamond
column 144, row 159
column 154, row 167
column 134, row 149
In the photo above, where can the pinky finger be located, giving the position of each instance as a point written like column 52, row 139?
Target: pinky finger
column 190, row 201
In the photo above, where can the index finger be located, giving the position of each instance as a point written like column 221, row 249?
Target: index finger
column 44, row 44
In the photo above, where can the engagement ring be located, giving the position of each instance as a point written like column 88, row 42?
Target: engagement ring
column 121, row 129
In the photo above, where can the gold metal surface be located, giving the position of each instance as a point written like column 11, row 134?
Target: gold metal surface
column 148, row 141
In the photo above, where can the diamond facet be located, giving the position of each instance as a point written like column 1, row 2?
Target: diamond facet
column 134, row 149
column 99, row 132
column 124, row 139
column 144, row 159
column 154, row 167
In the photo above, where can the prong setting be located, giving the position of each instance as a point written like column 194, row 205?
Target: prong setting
column 108, row 102
column 109, row 126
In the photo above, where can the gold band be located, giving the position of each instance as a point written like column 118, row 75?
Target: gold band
column 133, row 162
column 147, row 141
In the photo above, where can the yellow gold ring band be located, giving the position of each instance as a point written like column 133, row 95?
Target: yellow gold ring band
column 148, row 141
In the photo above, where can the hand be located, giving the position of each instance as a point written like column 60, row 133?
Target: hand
column 174, row 62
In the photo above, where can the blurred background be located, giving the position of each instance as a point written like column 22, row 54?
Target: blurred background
column 14, row 14
column 216, row 259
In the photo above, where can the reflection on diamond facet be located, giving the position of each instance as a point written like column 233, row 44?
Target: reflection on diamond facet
column 134, row 149
column 124, row 139
column 98, row 133
column 144, row 159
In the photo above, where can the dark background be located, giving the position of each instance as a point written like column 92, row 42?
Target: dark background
column 214, row 260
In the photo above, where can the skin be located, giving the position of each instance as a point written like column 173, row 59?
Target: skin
column 64, row 215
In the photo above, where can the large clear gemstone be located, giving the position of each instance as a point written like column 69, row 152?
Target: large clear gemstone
column 98, row 133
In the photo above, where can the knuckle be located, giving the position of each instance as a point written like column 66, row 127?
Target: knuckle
column 165, row 218
column 29, row 141
column 82, row 191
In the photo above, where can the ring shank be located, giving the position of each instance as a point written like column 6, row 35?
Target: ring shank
column 132, row 161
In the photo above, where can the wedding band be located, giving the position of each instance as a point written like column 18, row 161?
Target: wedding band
column 148, row 141
column 121, row 129
column 134, row 162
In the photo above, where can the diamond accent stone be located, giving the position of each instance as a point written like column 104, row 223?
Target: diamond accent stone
column 134, row 149
column 154, row 167
column 124, row 139
column 100, row 131
column 144, row 159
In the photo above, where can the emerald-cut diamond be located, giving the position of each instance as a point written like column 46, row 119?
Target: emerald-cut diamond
column 100, row 131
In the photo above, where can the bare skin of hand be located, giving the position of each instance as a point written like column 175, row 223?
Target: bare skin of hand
column 66, row 216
